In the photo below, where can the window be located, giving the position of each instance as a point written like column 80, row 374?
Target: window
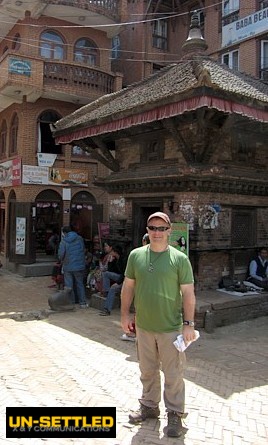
column 263, row 4
column 231, row 60
column 229, row 7
column 243, row 228
column 230, row 11
column 264, row 60
column 46, row 142
column 3, row 139
column 14, row 135
column 160, row 31
column 86, row 51
column 77, row 151
column 116, row 46
column 201, row 18
column 51, row 46
column 16, row 41
column 157, row 67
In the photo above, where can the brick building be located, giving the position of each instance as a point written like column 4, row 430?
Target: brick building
column 236, row 32
column 55, row 57
column 190, row 140
column 58, row 56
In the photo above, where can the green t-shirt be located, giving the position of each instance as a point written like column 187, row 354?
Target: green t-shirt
column 158, row 299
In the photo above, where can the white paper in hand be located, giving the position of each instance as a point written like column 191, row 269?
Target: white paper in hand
column 180, row 344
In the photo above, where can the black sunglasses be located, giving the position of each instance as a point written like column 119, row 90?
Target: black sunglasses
column 158, row 229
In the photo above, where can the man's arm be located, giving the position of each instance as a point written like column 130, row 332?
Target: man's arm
column 188, row 301
column 253, row 270
column 127, row 295
column 61, row 251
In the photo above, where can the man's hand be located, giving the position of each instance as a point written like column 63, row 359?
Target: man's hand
column 127, row 323
column 188, row 333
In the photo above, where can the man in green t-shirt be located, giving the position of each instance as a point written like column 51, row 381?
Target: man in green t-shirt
column 161, row 279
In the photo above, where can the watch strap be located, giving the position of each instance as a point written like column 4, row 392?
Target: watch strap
column 188, row 323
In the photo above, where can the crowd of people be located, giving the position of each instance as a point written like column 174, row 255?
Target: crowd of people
column 86, row 271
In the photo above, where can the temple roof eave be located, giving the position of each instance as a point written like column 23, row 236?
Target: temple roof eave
column 204, row 98
column 189, row 183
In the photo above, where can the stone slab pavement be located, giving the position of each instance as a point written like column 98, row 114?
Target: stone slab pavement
column 77, row 359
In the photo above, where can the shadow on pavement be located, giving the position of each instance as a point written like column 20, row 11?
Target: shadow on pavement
column 231, row 360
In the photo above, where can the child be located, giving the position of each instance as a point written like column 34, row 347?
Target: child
column 57, row 276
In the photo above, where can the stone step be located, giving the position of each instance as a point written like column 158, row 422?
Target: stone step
column 37, row 269
column 97, row 301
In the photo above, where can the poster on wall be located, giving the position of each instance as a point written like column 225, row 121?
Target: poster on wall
column 63, row 176
column 10, row 173
column 104, row 231
column 179, row 237
column 20, row 235
column 46, row 159
column 32, row 174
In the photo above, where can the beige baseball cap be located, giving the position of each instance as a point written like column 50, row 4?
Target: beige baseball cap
column 161, row 215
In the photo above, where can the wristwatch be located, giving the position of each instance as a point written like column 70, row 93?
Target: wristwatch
column 188, row 323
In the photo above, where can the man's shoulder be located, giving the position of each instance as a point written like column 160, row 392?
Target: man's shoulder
column 138, row 250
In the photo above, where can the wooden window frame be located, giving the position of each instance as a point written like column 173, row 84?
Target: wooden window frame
column 52, row 46
column 14, row 128
column 3, row 139
column 160, row 34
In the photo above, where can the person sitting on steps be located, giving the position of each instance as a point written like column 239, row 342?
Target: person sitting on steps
column 258, row 269
column 94, row 278
column 112, row 279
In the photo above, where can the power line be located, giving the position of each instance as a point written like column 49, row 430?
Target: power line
column 68, row 45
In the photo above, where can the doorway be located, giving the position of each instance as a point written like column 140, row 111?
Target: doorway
column 48, row 220
column 141, row 211
column 85, row 215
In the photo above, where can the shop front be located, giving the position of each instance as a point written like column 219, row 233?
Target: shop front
column 85, row 215
column 48, row 221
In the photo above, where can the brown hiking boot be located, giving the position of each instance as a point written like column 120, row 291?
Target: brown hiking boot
column 174, row 426
column 143, row 413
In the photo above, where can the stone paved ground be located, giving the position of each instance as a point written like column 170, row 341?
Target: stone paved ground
column 78, row 359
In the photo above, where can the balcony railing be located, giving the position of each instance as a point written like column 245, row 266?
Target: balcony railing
column 77, row 76
column 107, row 7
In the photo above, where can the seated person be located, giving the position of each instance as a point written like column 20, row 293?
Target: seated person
column 258, row 269
column 112, row 279
column 107, row 257
column 94, row 277
column 53, row 242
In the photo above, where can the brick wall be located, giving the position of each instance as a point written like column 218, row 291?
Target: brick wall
column 30, row 38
